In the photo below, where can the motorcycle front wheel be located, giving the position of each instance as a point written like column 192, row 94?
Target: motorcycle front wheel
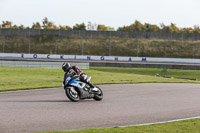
column 73, row 96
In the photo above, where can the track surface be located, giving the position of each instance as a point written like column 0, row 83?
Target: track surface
column 130, row 104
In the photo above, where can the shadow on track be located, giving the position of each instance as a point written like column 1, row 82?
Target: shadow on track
column 36, row 101
column 49, row 101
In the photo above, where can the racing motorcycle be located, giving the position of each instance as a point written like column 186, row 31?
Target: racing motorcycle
column 76, row 90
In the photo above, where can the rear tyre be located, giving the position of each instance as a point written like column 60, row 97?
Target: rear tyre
column 98, row 97
column 71, row 95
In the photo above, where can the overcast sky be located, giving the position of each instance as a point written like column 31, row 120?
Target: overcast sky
column 113, row 13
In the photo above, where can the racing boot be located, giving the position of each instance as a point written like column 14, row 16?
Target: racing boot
column 93, row 89
column 87, row 80
column 91, row 85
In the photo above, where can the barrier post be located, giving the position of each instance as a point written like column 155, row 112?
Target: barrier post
column 29, row 46
column 55, row 46
column 4, row 43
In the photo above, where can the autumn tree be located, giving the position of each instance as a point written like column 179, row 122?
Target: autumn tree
column 196, row 29
column 137, row 26
column 101, row 27
column 48, row 24
column 6, row 24
column 36, row 25
column 187, row 30
column 152, row 28
column 173, row 28
column 79, row 27
column 65, row 27
column 20, row 27
column 164, row 28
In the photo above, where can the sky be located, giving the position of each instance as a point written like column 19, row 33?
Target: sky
column 113, row 13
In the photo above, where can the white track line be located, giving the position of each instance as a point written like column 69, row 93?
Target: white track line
column 197, row 117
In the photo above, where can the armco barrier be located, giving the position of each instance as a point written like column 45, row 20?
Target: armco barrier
column 100, row 58
column 40, row 64
column 84, row 64
column 147, row 65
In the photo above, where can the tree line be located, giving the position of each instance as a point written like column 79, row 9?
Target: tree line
column 137, row 26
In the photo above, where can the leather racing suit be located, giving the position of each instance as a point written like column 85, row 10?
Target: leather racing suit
column 75, row 71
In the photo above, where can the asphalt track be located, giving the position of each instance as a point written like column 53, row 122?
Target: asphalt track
column 129, row 104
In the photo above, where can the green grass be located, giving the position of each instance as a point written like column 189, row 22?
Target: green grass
column 186, row 126
column 143, row 75
column 18, row 78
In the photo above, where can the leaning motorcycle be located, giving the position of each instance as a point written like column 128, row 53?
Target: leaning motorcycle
column 76, row 90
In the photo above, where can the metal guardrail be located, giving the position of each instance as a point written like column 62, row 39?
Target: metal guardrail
column 71, row 33
column 40, row 64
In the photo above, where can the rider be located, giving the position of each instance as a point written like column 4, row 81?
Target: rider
column 75, row 71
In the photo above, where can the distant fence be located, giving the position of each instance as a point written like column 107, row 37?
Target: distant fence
column 100, row 43
column 71, row 33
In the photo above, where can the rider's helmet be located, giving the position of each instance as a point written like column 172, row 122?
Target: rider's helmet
column 65, row 66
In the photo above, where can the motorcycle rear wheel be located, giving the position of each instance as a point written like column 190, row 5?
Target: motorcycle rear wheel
column 98, row 97
column 71, row 96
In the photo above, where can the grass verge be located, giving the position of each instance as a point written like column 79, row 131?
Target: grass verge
column 19, row 78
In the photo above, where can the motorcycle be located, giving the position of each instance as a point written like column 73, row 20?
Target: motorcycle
column 76, row 90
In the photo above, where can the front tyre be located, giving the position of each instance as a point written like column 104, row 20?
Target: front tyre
column 98, row 97
column 72, row 95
